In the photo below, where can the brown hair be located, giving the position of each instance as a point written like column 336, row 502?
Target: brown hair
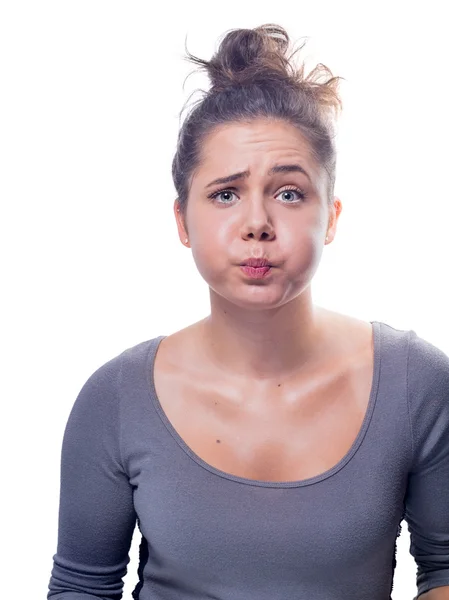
column 253, row 76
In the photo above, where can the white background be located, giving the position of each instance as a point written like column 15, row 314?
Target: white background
column 91, row 261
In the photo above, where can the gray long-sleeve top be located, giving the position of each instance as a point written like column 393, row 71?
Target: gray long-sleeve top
column 206, row 534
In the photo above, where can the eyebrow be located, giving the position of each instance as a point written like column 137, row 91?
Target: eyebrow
column 292, row 168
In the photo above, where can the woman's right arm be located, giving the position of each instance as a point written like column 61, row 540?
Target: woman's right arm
column 96, row 511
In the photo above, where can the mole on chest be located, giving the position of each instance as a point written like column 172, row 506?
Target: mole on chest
column 269, row 445
column 270, row 432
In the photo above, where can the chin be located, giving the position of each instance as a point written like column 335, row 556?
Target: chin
column 255, row 297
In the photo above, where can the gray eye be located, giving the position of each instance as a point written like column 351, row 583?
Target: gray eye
column 291, row 196
column 226, row 196
column 288, row 195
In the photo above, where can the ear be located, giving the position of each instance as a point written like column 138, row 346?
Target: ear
column 182, row 230
column 335, row 212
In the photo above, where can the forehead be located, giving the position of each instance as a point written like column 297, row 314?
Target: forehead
column 256, row 145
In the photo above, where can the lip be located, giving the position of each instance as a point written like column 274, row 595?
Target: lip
column 256, row 262
column 256, row 272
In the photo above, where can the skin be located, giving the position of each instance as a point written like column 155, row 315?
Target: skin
column 439, row 593
column 266, row 331
column 260, row 330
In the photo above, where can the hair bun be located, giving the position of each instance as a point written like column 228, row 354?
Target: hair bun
column 263, row 56
column 248, row 56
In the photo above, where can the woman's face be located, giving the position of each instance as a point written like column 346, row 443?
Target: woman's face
column 274, row 207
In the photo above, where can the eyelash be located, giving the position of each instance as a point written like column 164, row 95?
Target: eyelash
column 301, row 194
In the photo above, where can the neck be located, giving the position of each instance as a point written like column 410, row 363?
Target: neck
column 263, row 344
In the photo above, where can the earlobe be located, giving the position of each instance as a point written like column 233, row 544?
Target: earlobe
column 182, row 230
column 335, row 213
column 338, row 206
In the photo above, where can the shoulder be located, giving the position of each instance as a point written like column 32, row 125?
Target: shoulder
column 428, row 366
column 132, row 354
column 393, row 338
column 428, row 400
column 427, row 385
column 106, row 379
column 426, row 371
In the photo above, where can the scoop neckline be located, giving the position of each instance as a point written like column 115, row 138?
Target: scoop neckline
column 149, row 370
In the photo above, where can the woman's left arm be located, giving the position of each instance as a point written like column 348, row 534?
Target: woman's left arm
column 427, row 496
column 439, row 593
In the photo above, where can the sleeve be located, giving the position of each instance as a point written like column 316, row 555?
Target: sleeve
column 96, row 510
column 427, row 496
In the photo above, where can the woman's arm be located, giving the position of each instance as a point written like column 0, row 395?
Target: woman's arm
column 439, row 593
column 96, row 512
column 427, row 497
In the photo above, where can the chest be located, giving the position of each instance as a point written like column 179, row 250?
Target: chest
column 269, row 432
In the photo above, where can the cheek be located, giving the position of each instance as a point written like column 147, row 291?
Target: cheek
column 217, row 245
column 304, row 259
column 300, row 245
column 212, row 238
column 213, row 268
column 210, row 251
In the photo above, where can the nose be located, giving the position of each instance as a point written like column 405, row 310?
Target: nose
column 257, row 224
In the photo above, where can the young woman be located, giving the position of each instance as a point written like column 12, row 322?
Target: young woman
column 271, row 450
